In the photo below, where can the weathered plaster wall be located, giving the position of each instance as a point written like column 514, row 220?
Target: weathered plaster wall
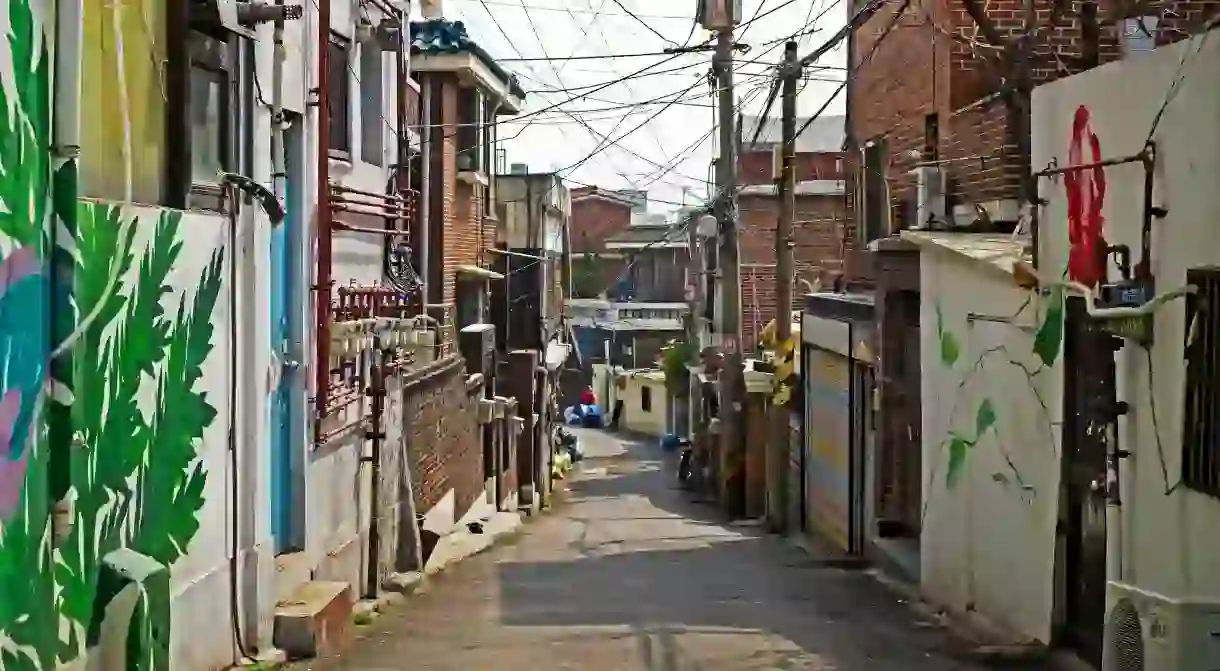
column 123, row 440
column 1162, row 521
column 991, row 453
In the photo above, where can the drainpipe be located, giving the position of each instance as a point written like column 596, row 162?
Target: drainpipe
column 69, row 33
column 69, row 29
column 323, row 280
column 424, row 211
column 279, row 168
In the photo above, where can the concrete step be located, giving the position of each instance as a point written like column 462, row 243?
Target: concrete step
column 316, row 621
column 292, row 569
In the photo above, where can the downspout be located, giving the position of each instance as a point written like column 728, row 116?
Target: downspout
column 279, row 169
column 323, row 279
column 425, row 194
column 69, row 34
column 376, row 435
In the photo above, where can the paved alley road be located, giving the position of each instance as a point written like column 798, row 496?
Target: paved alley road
column 624, row 574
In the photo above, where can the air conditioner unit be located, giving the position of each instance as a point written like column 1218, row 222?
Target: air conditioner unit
column 1146, row 631
column 929, row 197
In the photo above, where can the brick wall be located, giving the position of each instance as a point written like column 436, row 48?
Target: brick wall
column 757, row 167
column 818, row 236
column 465, row 231
column 935, row 62
column 594, row 220
column 443, row 437
column 449, row 185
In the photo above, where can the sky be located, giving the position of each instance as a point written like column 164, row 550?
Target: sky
column 665, row 149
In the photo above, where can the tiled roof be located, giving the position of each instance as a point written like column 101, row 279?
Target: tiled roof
column 442, row 36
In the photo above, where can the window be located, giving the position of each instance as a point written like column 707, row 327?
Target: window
column 113, row 150
column 646, row 398
column 875, row 191
column 470, row 130
column 211, row 118
column 1201, row 414
column 931, row 138
column 372, row 105
column 340, row 108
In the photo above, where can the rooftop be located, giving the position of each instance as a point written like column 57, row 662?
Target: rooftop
column 647, row 235
column 442, row 36
column 999, row 250
column 825, row 134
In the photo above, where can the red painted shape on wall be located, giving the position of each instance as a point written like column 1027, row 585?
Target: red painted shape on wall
column 1086, row 194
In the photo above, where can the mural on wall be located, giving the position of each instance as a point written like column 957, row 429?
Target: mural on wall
column 113, row 438
column 1086, row 196
column 1046, row 347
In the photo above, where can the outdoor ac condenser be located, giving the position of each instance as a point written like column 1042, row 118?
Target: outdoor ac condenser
column 1146, row 631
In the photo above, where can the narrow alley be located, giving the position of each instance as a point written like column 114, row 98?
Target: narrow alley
column 624, row 573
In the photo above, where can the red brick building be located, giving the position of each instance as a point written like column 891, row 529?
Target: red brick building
column 462, row 92
column 819, row 218
column 597, row 215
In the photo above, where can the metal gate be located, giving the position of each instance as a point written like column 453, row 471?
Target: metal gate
column 1088, row 403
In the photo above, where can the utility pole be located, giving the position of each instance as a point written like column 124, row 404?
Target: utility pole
column 732, row 378
column 777, row 459
column 694, row 321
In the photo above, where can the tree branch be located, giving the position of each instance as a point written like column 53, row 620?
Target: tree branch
column 1120, row 10
column 986, row 26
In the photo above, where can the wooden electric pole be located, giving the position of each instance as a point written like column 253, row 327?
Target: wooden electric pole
column 732, row 378
column 777, row 458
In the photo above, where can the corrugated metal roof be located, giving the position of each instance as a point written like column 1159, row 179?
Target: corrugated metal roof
column 825, row 134
column 442, row 36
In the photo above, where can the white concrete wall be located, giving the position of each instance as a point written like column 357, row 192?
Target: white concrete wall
column 650, row 422
column 988, row 540
column 337, row 488
column 1166, row 539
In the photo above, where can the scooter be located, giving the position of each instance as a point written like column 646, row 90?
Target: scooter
column 567, row 440
column 686, row 463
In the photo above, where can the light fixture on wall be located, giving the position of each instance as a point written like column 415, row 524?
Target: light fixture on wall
column 384, row 35
column 237, row 16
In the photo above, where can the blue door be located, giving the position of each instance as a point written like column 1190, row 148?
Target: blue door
column 287, row 292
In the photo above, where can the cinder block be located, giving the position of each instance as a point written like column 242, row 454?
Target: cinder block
column 316, row 621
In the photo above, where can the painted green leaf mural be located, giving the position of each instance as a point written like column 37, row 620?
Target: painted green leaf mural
column 984, row 419
column 950, row 350
column 958, row 449
column 1048, row 340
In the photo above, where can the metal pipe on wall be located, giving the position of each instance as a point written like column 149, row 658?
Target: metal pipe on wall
column 323, row 279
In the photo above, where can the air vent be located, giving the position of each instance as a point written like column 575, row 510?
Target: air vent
column 1201, row 427
column 1126, row 638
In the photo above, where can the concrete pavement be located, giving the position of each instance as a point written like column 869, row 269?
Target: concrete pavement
column 625, row 573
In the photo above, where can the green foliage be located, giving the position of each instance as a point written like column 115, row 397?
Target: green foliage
column 586, row 280
column 985, row 418
column 1048, row 340
column 950, row 350
column 674, row 358
column 958, row 448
